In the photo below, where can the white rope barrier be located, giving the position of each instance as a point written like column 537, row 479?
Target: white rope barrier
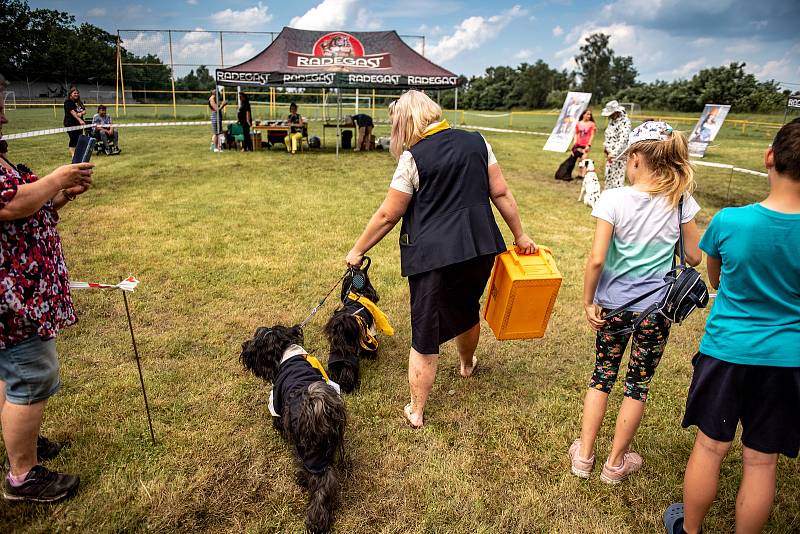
column 51, row 131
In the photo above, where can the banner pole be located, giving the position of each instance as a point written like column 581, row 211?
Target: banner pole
column 139, row 366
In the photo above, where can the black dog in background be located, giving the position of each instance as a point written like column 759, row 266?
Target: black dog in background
column 308, row 412
column 351, row 329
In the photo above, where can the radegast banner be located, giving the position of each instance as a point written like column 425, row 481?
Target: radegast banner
column 707, row 128
column 564, row 131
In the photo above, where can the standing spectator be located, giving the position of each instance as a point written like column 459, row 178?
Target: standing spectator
column 364, row 125
column 104, row 127
column 74, row 110
column 216, row 121
column 442, row 188
column 633, row 249
column 616, row 139
column 294, row 137
column 34, row 306
column 748, row 365
column 245, row 118
column 584, row 134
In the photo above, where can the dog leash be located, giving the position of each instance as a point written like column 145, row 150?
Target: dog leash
column 316, row 308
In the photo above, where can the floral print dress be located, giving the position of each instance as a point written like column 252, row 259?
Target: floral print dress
column 34, row 286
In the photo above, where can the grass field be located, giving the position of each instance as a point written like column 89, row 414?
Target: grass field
column 223, row 243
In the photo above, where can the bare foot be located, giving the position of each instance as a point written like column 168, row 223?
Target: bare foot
column 414, row 421
column 468, row 371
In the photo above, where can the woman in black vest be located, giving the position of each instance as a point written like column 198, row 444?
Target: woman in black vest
column 442, row 188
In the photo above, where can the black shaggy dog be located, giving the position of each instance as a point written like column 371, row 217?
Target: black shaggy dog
column 350, row 332
column 310, row 415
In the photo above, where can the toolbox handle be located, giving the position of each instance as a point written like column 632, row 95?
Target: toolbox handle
column 539, row 252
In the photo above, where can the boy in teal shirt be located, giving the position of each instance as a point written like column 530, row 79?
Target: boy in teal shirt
column 748, row 366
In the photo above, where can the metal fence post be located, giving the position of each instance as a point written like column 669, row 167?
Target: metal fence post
column 172, row 76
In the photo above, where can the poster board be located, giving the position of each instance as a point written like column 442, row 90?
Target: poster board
column 564, row 131
column 707, row 128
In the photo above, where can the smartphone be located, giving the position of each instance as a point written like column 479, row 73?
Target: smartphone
column 83, row 152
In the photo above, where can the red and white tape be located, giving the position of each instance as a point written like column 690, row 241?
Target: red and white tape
column 129, row 284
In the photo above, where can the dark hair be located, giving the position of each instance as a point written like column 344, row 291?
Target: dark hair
column 292, row 104
column 244, row 97
column 585, row 111
column 786, row 150
column 101, row 106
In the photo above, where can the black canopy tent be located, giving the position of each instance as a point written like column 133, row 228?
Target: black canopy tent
column 338, row 60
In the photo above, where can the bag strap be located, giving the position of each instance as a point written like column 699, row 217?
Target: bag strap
column 642, row 316
column 680, row 235
column 617, row 311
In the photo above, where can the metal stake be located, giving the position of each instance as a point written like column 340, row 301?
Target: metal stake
column 139, row 366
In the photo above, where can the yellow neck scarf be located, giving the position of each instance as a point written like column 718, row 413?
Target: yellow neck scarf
column 316, row 365
column 381, row 321
column 444, row 125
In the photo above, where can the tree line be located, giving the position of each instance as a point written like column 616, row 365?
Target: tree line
column 48, row 45
column 45, row 44
column 609, row 76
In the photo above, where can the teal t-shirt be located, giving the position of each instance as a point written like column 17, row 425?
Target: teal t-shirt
column 755, row 319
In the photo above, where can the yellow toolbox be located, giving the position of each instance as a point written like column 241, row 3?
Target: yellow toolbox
column 522, row 292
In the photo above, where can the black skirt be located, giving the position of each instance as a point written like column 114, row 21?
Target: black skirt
column 445, row 302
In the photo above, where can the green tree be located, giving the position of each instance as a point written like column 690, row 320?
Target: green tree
column 594, row 66
column 622, row 73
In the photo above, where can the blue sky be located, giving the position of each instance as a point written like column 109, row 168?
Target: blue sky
column 668, row 39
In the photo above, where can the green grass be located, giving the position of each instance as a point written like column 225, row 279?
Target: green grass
column 226, row 242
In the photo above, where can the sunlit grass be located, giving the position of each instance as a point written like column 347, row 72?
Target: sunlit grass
column 223, row 243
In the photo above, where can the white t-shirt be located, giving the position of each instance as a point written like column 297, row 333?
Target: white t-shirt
column 406, row 176
column 643, row 244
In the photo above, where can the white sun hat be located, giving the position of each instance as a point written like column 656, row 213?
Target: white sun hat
column 611, row 108
column 648, row 131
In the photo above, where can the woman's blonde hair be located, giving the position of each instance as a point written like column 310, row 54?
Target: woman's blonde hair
column 669, row 160
column 411, row 114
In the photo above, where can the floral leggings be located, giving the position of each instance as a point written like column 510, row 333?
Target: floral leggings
column 649, row 341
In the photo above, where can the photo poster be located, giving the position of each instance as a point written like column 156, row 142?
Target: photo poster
column 564, row 132
column 707, row 128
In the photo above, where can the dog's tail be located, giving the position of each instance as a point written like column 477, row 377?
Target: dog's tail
column 320, row 431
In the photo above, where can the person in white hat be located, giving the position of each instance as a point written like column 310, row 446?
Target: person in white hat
column 616, row 140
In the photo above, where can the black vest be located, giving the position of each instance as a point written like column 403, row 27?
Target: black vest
column 449, row 219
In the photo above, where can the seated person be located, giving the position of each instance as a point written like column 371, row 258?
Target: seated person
column 102, row 127
column 365, row 125
column 296, row 127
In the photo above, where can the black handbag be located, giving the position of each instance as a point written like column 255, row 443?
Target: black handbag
column 686, row 290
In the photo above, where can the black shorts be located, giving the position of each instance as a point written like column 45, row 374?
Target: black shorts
column 765, row 399
column 73, row 137
column 445, row 302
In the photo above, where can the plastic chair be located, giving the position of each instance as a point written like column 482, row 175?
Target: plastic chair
column 236, row 133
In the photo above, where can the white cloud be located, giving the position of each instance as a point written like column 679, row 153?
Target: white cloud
column 743, row 47
column 241, row 54
column 701, row 42
column 430, row 30
column 472, row 33
column 523, row 54
column 147, row 43
column 782, row 70
column 558, row 31
column 624, row 39
column 191, row 2
column 97, row 12
column 335, row 15
column 687, row 70
column 253, row 19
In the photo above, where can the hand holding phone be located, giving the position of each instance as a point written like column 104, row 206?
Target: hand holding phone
column 83, row 152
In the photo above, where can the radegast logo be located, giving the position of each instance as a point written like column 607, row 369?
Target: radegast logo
column 245, row 77
column 339, row 49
